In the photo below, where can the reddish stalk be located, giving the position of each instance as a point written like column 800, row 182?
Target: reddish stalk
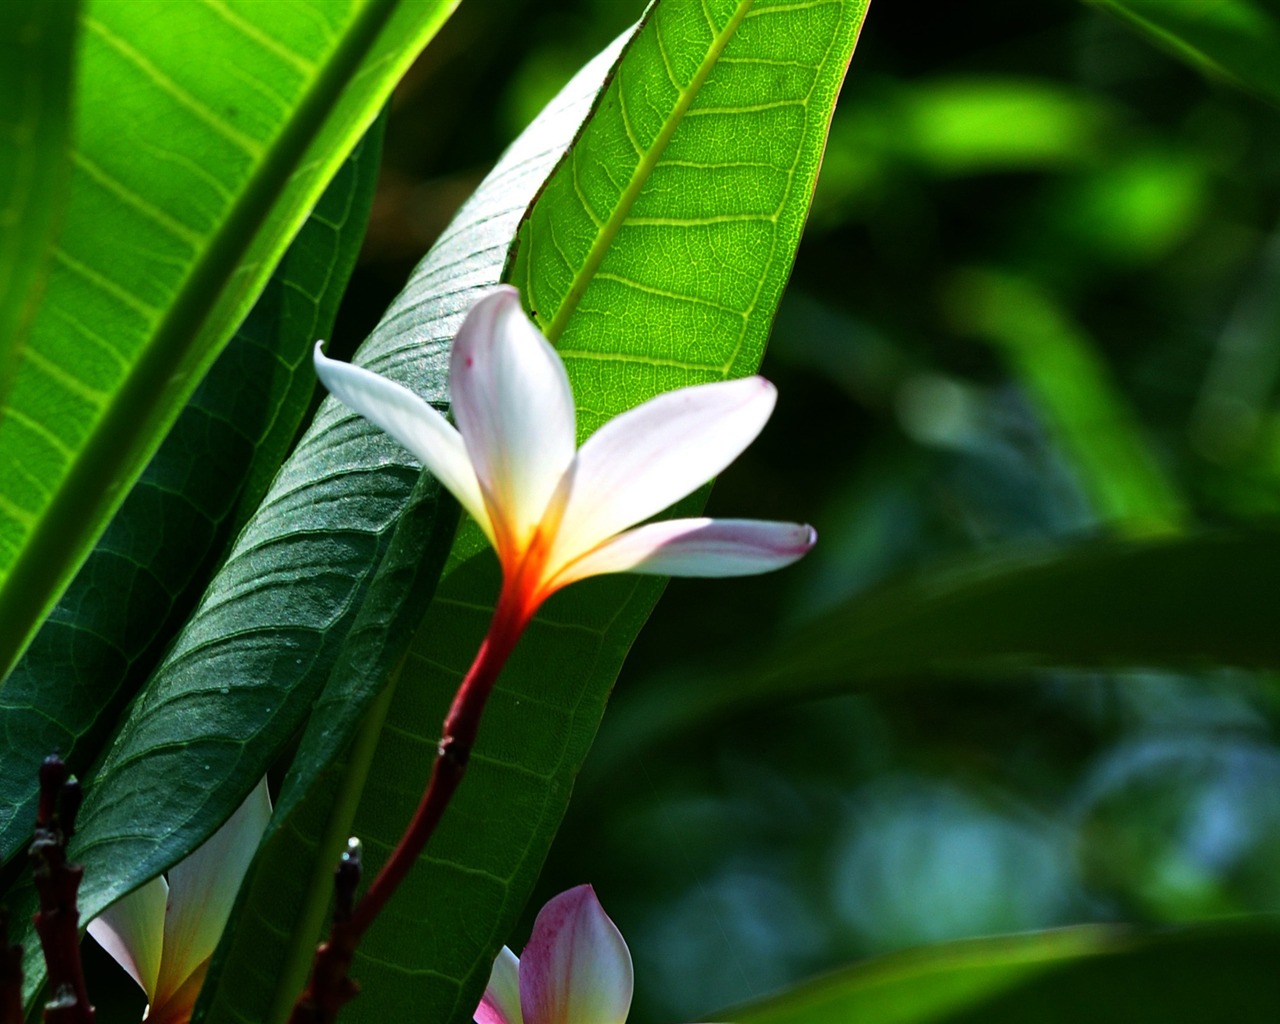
column 330, row 987
column 57, row 882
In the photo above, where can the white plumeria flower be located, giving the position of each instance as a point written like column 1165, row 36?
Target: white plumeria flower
column 556, row 513
column 164, row 933
column 576, row 969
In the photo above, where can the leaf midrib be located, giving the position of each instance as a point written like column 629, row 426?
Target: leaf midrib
column 607, row 231
column 43, row 567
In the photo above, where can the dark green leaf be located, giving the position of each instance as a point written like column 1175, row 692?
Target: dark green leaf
column 1237, row 39
column 1187, row 603
column 1200, row 975
column 255, row 975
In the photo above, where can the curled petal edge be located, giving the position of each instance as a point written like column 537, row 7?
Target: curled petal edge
column 696, row 547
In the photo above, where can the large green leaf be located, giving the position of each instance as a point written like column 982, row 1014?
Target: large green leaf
column 1188, row 603
column 1237, row 39
column 38, row 43
column 150, row 566
column 1199, row 975
column 264, row 960
column 206, row 132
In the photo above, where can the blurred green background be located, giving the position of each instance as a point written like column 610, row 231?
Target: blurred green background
column 1036, row 299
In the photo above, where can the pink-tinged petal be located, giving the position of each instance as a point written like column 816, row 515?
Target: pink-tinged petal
column 697, row 547
column 411, row 421
column 514, row 408
column 653, row 455
column 576, row 968
column 132, row 931
column 501, row 1002
column 202, row 889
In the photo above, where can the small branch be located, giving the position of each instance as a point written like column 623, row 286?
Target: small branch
column 330, row 987
column 57, row 882
column 10, row 975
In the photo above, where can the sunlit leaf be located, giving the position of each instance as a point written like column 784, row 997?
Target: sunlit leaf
column 109, row 628
column 190, row 176
column 35, row 133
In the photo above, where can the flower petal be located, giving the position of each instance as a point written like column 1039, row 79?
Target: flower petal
column 653, row 455
column 178, row 1007
column 501, row 1002
column 411, row 421
column 697, row 547
column 576, row 968
column 203, row 888
column 132, row 931
column 514, row 407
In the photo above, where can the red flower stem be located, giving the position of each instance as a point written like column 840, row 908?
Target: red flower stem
column 57, row 882
column 330, row 987
column 457, row 738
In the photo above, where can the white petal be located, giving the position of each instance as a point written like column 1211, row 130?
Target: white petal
column 411, row 421
column 697, row 547
column 203, row 888
column 514, row 408
column 653, row 455
column 576, row 968
column 132, row 931
column 501, row 1002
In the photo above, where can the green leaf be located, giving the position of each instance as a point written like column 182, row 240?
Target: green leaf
column 1074, row 391
column 35, row 129
column 1182, row 604
column 1102, row 975
column 288, row 891
column 109, row 628
column 1236, row 39
column 206, row 134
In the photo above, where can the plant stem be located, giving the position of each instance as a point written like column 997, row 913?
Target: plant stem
column 330, row 987
column 57, row 882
